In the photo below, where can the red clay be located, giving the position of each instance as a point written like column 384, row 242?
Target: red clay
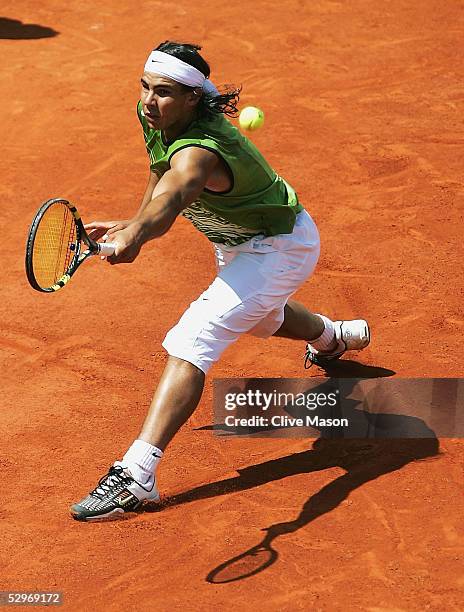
column 363, row 104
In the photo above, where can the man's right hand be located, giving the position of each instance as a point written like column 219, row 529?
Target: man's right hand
column 99, row 229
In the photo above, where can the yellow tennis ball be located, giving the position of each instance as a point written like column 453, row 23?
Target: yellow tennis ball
column 251, row 118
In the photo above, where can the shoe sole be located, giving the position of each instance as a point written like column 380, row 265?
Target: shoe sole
column 109, row 516
column 114, row 514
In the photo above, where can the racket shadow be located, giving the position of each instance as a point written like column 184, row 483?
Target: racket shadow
column 363, row 460
column 245, row 565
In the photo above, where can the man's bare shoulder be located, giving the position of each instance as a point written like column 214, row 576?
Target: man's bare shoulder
column 193, row 155
column 193, row 158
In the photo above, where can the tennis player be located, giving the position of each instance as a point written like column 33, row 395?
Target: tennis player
column 266, row 245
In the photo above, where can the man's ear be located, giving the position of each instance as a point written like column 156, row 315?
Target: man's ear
column 193, row 97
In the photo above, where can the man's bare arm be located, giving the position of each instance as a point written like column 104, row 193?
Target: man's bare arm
column 153, row 180
column 176, row 189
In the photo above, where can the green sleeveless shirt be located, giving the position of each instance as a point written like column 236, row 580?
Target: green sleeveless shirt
column 259, row 202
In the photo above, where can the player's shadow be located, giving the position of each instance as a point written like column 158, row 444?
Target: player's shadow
column 348, row 368
column 363, row 460
column 394, row 441
column 13, row 29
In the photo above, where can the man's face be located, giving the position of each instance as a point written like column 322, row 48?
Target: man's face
column 165, row 103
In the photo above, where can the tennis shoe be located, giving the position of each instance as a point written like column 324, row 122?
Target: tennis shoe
column 350, row 336
column 116, row 493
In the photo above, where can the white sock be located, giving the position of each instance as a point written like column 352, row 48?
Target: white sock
column 326, row 340
column 142, row 459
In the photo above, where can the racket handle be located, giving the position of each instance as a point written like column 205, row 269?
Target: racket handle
column 106, row 248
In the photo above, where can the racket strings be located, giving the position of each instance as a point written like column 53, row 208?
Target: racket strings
column 68, row 240
column 54, row 245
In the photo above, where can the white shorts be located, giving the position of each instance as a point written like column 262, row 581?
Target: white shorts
column 254, row 282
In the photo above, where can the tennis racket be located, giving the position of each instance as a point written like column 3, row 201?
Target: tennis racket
column 57, row 245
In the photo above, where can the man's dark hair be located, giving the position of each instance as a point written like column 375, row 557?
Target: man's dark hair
column 209, row 105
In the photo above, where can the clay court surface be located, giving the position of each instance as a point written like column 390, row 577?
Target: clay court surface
column 364, row 105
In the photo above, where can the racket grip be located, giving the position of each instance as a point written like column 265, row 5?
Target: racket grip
column 106, row 248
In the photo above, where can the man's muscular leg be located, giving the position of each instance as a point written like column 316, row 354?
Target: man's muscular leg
column 176, row 397
column 299, row 323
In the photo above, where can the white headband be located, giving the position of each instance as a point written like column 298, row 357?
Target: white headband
column 173, row 68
